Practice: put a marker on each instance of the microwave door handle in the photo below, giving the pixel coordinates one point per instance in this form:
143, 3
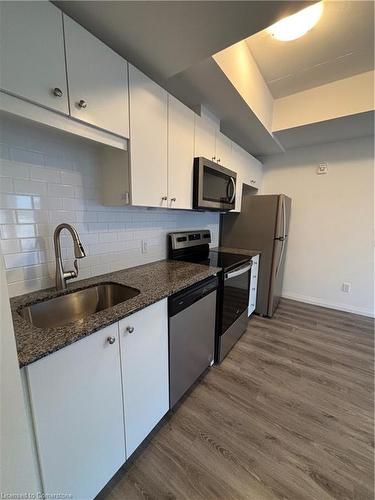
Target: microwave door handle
238, 272
234, 190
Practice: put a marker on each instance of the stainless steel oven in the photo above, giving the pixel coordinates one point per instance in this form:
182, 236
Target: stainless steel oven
233, 284
234, 300
214, 186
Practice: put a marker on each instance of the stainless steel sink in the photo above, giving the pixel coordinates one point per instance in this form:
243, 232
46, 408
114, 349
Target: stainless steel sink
76, 306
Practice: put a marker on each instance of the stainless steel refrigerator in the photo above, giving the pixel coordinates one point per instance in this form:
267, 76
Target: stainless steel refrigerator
262, 225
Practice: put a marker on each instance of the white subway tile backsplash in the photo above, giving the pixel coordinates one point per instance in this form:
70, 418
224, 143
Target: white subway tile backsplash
32, 216
14, 170
26, 156
71, 178
6, 185
17, 231
7, 216
61, 190
45, 174
54, 178
10, 246
46, 202
15, 201
26, 186
21, 259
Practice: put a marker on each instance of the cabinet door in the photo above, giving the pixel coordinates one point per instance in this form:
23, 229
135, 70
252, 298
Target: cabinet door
98, 81
223, 150
205, 138
76, 400
32, 56
180, 154
148, 140
144, 359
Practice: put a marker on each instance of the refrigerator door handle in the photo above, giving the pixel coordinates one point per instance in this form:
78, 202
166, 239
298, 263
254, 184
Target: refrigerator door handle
284, 217
280, 258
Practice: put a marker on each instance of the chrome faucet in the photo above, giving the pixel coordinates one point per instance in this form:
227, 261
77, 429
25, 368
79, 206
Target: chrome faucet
63, 276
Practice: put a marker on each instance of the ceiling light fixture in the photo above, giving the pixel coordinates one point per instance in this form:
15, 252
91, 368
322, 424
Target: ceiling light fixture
298, 24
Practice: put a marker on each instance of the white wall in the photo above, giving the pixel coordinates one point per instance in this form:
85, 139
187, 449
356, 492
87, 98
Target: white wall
332, 222
47, 177
18, 471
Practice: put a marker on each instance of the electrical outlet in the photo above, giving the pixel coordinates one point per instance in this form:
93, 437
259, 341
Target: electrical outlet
144, 246
322, 168
346, 287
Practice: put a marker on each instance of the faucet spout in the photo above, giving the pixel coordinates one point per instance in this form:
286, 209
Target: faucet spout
63, 276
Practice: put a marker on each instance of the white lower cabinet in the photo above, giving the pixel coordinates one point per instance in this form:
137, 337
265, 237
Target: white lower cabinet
94, 401
253, 285
144, 362
76, 402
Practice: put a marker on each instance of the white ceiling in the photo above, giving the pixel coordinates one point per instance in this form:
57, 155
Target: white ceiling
339, 46
163, 38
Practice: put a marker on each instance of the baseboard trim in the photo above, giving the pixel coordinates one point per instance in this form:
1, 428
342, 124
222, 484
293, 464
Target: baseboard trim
330, 305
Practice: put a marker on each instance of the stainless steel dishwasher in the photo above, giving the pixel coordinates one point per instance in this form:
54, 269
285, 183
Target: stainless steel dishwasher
192, 320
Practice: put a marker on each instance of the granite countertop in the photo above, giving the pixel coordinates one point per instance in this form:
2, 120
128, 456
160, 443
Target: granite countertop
240, 251
155, 282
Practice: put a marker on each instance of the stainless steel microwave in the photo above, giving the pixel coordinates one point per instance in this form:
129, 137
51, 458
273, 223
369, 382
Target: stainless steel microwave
214, 186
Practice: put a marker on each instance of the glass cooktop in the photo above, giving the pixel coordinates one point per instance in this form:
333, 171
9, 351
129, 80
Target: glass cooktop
224, 260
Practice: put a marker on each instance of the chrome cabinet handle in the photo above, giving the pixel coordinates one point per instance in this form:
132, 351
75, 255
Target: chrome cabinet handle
111, 340
130, 329
57, 92
82, 104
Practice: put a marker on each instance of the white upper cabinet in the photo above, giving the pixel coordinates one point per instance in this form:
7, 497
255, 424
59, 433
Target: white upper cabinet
144, 358
76, 400
223, 150
32, 59
148, 110
98, 81
180, 154
205, 138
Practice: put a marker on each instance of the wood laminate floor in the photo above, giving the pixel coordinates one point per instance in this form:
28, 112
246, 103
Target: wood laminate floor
287, 415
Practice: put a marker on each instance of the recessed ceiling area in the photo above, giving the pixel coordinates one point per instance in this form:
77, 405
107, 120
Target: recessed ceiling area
340, 45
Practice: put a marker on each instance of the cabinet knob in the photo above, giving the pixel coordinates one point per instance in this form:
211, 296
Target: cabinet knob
173, 199
57, 92
219, 160
214, 158
111, 340
164, 198
130, 329
82, 104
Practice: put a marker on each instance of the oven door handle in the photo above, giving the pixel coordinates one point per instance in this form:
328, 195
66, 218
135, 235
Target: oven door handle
238, 272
